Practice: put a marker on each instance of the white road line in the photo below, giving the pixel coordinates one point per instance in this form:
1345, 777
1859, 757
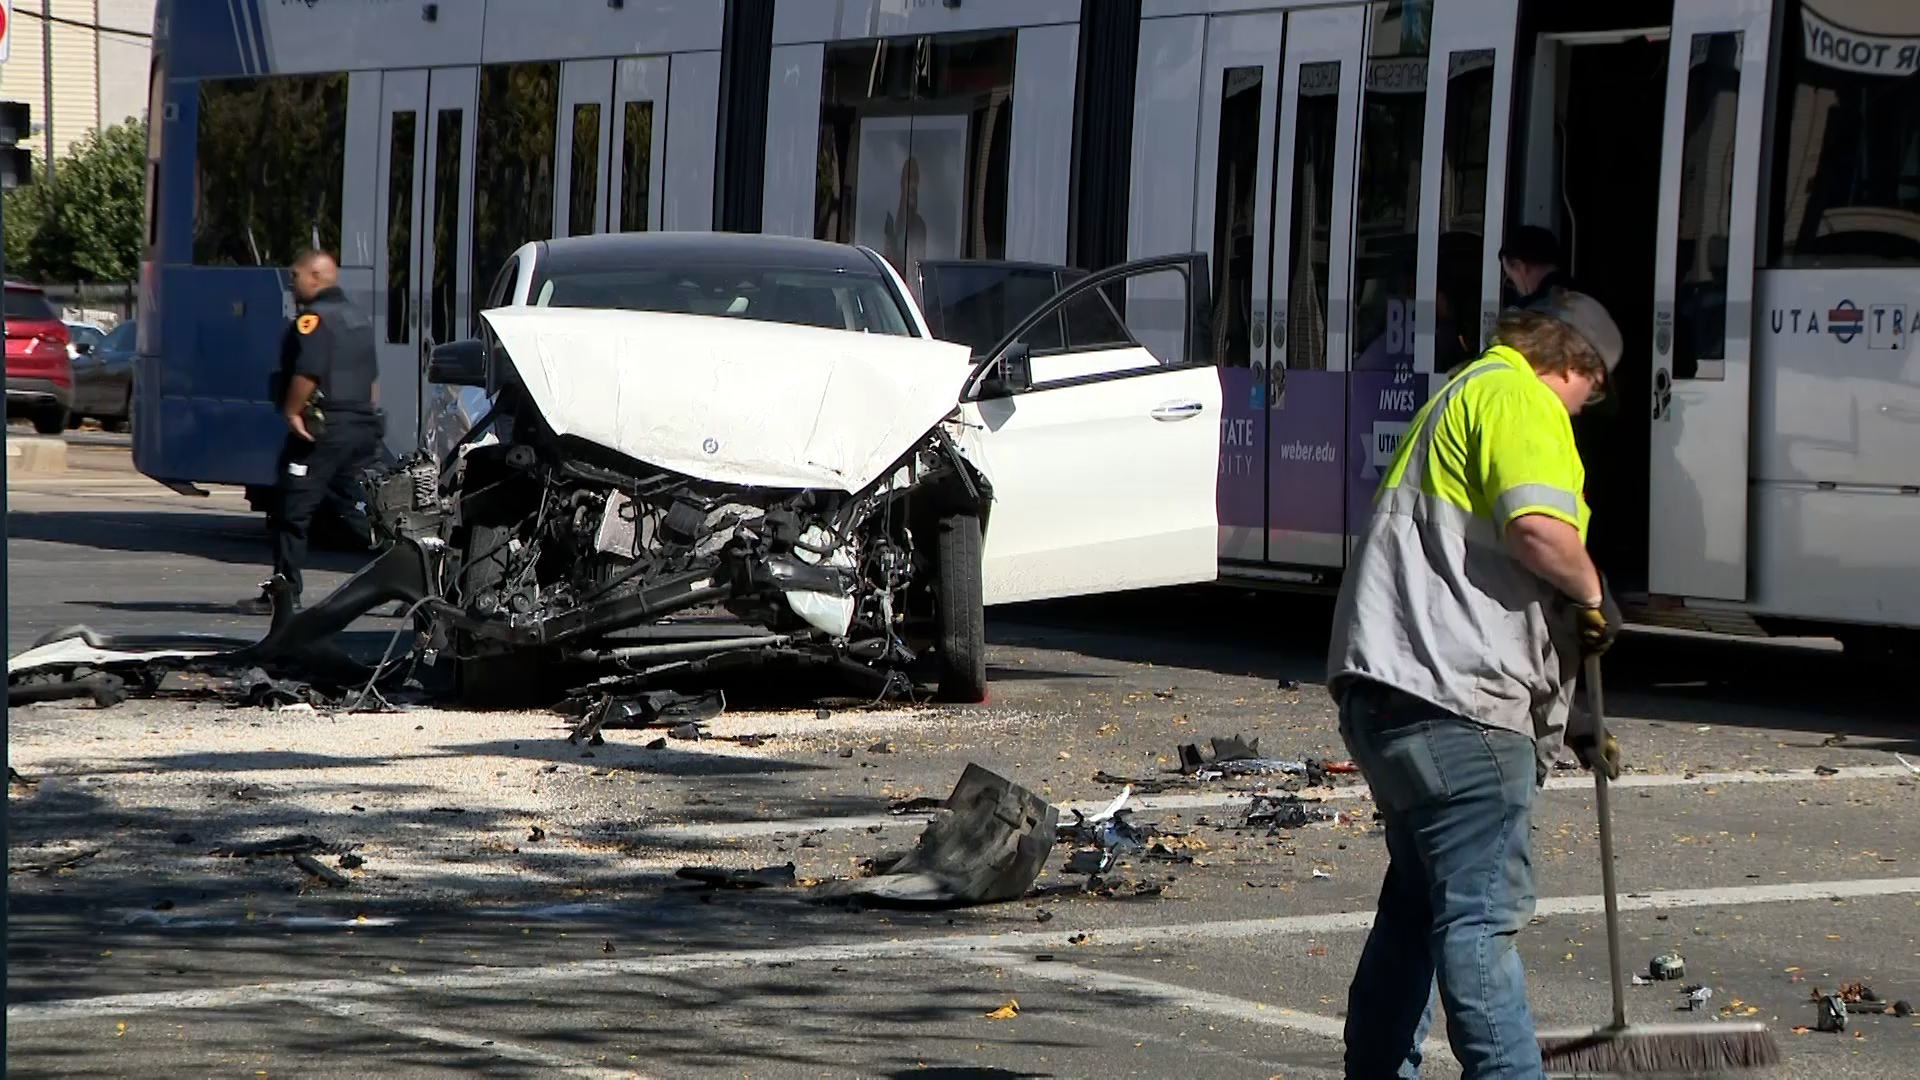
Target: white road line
1222, 1005
932, 947
741, 830
413, 1028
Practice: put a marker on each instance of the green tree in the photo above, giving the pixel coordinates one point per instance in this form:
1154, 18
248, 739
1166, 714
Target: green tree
99, 207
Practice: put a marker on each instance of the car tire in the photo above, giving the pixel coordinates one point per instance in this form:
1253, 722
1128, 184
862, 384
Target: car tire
50, 422
493, 680
960, 623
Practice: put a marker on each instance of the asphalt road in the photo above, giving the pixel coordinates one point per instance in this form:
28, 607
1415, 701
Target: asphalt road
517, 913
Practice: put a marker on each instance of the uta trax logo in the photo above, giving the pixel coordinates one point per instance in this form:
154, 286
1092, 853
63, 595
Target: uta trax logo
1846, 321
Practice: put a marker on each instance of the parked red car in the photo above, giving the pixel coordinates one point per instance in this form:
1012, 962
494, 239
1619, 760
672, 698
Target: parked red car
39, 372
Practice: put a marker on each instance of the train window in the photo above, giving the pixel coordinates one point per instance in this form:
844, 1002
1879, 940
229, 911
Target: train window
1236, 172
636, 168
583, 187
400, 166
513, 159
1707, 158
1386, 225
1846, 170
269, 165
1307, 253
446, 220
1463, 207
915, 140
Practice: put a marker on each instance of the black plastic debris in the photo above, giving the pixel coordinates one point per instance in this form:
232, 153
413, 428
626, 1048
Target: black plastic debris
601, 711
53, 866
1088, 861
1285, 810
290, 844
923, 804
721, 877
1233, 748
331, 878
105, 688
986, 845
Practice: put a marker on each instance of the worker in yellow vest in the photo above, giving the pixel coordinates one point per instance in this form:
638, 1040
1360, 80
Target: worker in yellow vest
1467, 609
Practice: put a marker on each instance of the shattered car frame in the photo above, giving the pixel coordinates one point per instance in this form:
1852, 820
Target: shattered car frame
676, 475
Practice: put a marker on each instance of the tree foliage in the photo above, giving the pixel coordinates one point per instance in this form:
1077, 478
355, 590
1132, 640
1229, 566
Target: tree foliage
98, 198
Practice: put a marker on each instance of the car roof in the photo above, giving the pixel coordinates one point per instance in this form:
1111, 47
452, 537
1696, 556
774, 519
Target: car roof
609, 251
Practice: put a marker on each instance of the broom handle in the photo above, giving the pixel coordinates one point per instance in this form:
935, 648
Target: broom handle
1603, 804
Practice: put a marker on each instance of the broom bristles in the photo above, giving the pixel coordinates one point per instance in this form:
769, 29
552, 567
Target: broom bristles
1685, 1049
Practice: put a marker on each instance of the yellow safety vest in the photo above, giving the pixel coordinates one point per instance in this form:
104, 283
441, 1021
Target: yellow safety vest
1432, 603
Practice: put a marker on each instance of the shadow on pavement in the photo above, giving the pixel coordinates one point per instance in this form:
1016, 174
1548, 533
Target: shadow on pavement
228, 538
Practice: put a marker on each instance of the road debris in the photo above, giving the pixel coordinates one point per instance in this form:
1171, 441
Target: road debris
1695, 996
332, 878
53, 866
1006, 1012
291, 844
1833, 1012
1286, 810
1667, 967
1911, 767
986, 845
721, 877
599, 709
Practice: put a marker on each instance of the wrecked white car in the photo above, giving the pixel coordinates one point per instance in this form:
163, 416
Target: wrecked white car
707, 450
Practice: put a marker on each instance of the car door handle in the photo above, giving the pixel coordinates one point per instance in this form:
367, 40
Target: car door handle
1177, 410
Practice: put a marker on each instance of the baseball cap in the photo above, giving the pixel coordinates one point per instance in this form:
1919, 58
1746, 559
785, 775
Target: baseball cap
1589, 319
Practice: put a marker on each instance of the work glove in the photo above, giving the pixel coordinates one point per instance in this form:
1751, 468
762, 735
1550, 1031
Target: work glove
1598, 626
1605, 752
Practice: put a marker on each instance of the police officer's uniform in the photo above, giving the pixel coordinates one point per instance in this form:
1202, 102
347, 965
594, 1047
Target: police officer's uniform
333, 344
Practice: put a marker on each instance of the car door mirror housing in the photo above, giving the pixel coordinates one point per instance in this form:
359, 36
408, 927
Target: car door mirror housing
82, 348
1010, 373
458, 363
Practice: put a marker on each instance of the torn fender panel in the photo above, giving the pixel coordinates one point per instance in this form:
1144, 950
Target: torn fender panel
76, 652
733, 401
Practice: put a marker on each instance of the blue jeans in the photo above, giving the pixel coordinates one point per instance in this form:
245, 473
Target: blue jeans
1457, 799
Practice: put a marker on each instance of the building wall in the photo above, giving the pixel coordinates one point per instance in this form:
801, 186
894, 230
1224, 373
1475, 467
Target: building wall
99, 77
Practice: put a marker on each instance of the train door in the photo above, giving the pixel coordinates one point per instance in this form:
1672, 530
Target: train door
582, 147
639, 126
1710, 166
1464, 182
396, 265
1232, 202
1303, 404
423, 246
446, 222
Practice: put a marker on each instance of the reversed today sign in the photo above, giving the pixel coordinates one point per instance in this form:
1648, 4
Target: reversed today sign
1835, 46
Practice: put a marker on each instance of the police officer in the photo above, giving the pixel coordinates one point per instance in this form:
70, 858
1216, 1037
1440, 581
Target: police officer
328, 398
1462, 621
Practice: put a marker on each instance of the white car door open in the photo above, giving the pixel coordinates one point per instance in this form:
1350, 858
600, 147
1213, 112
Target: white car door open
1099, 428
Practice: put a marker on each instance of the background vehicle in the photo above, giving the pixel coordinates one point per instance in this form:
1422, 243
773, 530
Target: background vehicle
1737, 189
39, 371
82, 336
103, 379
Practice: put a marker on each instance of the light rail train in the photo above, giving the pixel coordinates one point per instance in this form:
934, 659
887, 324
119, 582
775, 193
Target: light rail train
1738, 180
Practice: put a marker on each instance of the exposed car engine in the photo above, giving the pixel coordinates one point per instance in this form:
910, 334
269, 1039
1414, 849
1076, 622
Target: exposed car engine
557, 549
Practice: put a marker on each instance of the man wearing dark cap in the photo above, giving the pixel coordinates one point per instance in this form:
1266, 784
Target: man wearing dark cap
1530, 262
1463, 619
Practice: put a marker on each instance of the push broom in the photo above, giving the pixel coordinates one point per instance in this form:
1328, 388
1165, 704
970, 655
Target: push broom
1621, 1048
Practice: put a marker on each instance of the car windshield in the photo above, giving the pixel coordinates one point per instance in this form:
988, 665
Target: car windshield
835, 300
30, 305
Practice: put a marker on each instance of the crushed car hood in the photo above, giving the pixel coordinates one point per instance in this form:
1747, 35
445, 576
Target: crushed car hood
732, 400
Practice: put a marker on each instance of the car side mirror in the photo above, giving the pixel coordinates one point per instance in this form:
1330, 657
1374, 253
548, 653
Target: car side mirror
81, 348
458, 363
1010, 373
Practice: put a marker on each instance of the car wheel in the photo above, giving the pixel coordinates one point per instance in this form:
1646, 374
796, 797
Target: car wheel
50, 422
960, 622
497, 680
73, 421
